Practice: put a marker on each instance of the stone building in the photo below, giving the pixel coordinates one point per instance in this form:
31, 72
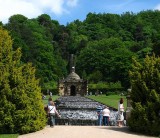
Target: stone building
72, 85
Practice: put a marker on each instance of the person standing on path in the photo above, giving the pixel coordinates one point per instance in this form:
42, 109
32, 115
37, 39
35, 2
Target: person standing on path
52, 113
106, 114
100, 116
120, 113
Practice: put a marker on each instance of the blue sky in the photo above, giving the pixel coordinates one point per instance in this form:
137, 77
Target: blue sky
66, 11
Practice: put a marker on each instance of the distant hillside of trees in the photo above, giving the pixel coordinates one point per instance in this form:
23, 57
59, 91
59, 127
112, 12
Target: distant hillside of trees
103, 44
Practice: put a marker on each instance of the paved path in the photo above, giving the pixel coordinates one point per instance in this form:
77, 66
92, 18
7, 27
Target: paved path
84, 132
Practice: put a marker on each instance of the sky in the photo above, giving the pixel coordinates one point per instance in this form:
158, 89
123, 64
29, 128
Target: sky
66, 11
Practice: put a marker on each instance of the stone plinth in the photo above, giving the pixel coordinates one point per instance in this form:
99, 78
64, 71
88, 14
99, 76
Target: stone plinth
129, 106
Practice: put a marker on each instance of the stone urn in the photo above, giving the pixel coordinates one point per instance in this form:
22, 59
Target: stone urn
129, 107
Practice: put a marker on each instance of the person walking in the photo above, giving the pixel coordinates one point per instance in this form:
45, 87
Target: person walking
106, 114
99, 114
120, 113
49, 100
46, 107
52, 113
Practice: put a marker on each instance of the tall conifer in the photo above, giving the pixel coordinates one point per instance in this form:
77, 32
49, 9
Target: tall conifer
21, 107
145, 96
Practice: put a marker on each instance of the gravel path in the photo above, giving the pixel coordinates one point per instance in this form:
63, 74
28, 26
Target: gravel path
84, 132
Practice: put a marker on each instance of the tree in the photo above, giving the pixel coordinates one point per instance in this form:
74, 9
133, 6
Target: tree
35, 37
108, 56
20, 32
145, 96
21, 107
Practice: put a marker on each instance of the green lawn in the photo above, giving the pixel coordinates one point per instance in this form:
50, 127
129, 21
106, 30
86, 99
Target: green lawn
110, 100
9, 135
54, 97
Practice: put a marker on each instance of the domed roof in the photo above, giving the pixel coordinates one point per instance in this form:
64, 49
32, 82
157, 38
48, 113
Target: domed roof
73, 76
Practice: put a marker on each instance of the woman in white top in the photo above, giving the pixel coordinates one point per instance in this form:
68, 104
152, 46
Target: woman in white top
106, 114
120, 112
52, 111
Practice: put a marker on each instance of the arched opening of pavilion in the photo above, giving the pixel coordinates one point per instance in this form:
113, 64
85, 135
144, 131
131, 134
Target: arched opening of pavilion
73, 90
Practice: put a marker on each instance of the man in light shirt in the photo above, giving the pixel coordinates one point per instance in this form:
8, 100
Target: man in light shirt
100, 116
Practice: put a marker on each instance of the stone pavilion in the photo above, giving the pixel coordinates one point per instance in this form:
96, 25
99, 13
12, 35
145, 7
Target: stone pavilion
72, 85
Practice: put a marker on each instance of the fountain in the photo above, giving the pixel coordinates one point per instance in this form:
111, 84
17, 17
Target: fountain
78, 110
74, 108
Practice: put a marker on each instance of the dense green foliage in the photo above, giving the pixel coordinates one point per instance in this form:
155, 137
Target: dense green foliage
106, 88
36, 40
145, 96
21, 107
103, 44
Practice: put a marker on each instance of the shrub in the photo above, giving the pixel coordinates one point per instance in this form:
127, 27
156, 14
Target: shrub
21, 107
145, 96
106, 88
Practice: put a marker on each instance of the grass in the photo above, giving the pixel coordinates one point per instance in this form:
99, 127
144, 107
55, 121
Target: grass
9, 135
110, 100
54, 97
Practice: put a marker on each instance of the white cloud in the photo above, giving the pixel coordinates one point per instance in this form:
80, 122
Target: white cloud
9, 8
157, 7
55, 6
72, 3
33, 8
